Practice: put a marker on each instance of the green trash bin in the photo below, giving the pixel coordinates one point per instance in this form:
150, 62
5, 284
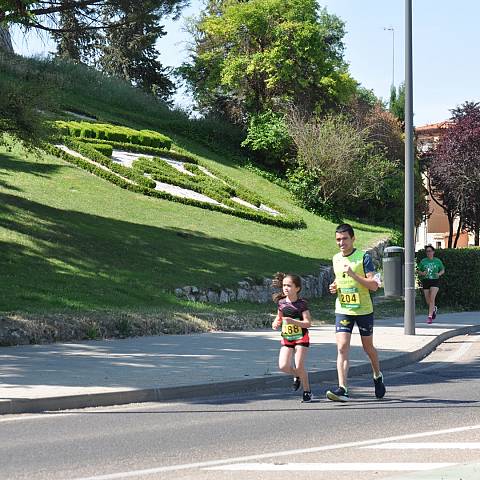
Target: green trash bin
394, 272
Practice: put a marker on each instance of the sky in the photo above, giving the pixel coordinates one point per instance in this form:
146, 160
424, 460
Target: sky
446, 39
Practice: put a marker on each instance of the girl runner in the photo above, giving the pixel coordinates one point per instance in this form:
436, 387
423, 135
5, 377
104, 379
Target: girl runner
294, 319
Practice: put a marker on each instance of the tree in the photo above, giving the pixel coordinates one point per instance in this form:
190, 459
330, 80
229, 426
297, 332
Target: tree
337, 165
45, 15
5, 40
130, 28
385, 133
130, 51
443, 194
76, 42
396, 105
455, 169
251, 57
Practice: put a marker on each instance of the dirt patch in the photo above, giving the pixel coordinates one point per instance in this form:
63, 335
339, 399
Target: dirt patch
25, 329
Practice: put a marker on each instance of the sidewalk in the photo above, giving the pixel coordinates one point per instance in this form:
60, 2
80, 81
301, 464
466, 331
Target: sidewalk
181, 367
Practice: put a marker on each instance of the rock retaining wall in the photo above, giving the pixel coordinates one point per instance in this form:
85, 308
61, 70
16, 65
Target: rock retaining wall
314, 285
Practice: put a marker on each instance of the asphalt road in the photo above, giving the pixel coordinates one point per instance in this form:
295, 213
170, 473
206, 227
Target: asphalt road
429, 419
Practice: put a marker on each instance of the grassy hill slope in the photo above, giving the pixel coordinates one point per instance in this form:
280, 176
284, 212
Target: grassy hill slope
72, 241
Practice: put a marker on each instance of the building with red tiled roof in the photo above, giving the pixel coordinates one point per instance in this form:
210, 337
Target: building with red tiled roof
434, 229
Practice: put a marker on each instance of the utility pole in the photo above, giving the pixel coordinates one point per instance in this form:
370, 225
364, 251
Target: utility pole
409, 224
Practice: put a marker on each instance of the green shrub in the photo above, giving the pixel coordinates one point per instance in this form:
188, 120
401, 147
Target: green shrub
129, 147
103, 148
269, 139
460, 286
88, 151
283, 221
115, 133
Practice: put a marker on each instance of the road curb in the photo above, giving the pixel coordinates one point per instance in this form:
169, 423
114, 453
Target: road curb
159, 394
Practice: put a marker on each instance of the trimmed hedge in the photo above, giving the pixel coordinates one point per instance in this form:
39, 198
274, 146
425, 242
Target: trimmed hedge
184, 156
89, 151
460, 286
162, 171
96, 141
114, 133
129, 147
282, 222
103, 148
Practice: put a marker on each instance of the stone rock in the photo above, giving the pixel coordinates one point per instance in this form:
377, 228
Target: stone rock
314, 285
212, 296
223, 297
242, 294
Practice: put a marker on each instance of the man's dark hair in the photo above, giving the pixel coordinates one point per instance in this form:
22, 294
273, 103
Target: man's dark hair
345, 227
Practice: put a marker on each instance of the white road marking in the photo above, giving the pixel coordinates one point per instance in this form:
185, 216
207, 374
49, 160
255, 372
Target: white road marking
332, 467
428, 446
212, 463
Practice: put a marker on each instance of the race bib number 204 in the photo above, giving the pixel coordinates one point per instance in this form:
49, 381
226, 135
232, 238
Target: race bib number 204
349, 297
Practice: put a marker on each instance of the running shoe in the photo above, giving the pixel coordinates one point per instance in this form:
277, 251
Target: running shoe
429, 320
296, 383
338, 394
434, 314
379, 387
307, 397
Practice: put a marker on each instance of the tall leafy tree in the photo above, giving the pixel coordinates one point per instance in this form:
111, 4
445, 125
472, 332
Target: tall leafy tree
249, 57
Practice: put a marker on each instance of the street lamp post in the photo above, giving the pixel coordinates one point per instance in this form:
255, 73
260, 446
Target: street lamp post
391, 29
409, 225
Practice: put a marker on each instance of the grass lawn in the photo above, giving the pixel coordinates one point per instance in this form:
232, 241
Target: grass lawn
74, 243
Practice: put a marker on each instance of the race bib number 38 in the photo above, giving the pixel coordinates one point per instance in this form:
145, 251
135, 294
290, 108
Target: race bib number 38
291, 332
349, 297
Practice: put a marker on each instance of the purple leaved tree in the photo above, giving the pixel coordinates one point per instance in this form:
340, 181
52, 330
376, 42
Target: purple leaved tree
454, 171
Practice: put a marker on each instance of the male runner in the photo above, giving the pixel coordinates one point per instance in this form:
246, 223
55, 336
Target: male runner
355, 277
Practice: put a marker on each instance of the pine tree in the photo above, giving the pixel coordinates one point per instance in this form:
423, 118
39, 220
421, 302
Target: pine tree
75, 41
129, 51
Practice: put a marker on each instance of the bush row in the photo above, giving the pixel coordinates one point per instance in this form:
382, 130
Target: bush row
129, 147
214, 188
90, 152
116, 133
162, 171
239, 190
283, 221
460, 286
185, 157
103, 148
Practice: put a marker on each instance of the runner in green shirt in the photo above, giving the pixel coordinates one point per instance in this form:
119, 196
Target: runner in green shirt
430, 269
